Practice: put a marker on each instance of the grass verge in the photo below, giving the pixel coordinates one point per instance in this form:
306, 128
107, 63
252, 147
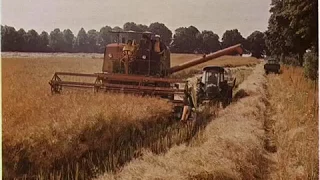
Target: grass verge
294, 118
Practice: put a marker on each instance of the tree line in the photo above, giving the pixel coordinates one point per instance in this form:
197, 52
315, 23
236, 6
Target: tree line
292, 30
185, 39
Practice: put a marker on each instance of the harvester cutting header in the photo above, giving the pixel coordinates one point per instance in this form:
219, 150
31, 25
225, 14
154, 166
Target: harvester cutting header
139, 63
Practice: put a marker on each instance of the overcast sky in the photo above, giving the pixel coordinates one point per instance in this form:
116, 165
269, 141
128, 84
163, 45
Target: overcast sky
215, 15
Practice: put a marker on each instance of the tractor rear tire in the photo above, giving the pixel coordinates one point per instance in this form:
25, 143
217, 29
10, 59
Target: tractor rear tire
178, 110
224, 102
227, 99
230, 96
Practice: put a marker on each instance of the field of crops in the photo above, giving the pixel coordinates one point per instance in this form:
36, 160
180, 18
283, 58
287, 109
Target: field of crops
78, 133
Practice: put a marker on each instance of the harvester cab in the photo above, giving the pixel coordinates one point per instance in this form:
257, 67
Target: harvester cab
138, 53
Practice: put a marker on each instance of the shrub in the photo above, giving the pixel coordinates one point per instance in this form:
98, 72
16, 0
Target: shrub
311, 65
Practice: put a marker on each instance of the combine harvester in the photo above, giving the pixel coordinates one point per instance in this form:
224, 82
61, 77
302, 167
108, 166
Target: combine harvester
139, 68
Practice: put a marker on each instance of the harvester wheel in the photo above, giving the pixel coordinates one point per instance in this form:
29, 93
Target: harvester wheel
230, 96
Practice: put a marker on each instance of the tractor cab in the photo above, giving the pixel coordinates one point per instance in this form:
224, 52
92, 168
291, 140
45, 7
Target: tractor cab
215, 84
212, 81
138, 53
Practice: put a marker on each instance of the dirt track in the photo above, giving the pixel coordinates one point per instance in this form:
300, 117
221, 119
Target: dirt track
232, 145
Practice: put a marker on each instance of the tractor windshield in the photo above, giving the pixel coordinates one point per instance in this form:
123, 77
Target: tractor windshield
211, 78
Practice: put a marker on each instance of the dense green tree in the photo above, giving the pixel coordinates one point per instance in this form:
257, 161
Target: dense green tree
56, 40
43, 42
9, 38
105, 37
21, 42
256, 42
2, 36
162, 30
231, 38
32, 41
292, 27
186, 40
130, 26
311, 62
81, 43
143, 27
117, 28
303, 28
210, 42
93, 37
68, 39
177, 44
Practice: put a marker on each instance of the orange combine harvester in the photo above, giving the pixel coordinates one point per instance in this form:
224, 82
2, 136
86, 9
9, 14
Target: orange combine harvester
140, 66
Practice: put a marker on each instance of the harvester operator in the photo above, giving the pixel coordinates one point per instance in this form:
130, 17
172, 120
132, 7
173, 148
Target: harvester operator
128, 51
128, 48
158, 46
187, 104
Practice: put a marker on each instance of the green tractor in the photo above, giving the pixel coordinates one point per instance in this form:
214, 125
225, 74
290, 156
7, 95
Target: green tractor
214, 87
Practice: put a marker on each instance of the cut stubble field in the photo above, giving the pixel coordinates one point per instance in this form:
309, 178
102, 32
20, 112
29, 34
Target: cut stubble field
42, 132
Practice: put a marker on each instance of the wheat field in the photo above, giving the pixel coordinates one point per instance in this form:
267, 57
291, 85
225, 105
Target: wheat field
38, 126
61, 136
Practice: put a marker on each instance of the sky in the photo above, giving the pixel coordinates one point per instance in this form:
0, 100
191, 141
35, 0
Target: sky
215, 15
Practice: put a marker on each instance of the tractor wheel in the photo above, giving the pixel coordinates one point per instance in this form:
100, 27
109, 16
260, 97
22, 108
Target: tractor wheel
225, 102
230, 96
178, 112
227, 98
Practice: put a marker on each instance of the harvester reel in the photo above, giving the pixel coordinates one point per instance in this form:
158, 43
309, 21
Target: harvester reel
55, 87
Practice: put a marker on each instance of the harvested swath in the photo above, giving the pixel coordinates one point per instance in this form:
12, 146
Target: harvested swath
232, 145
